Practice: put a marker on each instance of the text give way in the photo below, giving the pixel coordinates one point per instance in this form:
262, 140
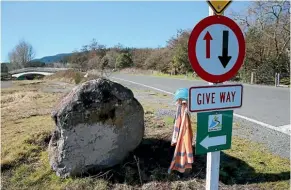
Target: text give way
205, 98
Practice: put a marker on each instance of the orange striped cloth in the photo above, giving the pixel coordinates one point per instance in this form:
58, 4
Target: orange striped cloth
182, 138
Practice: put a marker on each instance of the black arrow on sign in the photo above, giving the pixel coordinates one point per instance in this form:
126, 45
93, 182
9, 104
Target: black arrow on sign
224, 59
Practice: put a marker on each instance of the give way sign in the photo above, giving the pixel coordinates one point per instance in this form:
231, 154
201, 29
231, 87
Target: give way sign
216, 48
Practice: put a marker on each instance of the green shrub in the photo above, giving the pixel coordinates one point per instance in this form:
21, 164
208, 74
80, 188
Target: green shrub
78, 78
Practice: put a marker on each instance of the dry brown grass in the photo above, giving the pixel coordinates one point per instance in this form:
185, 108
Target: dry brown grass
73, 77
23, 102
25, 115
69, 76
136, 71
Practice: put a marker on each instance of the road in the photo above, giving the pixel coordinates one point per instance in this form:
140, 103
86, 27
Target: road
6, 84
265, 105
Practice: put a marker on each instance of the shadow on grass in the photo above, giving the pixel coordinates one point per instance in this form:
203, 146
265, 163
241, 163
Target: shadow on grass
154, 157
236, 171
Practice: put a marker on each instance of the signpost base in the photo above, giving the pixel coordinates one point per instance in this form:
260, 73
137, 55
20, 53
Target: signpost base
212, 173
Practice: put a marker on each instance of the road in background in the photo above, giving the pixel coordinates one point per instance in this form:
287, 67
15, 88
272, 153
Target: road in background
6, 84
266, 104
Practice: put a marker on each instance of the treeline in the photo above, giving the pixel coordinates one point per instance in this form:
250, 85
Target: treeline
5, 67
172, 58
266, 25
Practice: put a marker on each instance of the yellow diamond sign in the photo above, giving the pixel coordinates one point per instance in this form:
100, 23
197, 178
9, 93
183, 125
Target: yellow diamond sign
218, 6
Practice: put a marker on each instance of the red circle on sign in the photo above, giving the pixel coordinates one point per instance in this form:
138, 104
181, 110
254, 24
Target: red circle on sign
208, 21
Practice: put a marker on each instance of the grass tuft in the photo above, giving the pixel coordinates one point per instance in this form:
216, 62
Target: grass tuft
70, 76
169, 121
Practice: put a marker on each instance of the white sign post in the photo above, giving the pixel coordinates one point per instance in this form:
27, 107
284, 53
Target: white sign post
213, 158
216, 51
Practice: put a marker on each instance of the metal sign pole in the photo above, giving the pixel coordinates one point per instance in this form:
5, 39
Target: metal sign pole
213, 158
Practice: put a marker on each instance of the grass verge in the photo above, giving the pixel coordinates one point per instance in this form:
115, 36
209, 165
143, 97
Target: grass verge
134, 71
71, 76
179, 76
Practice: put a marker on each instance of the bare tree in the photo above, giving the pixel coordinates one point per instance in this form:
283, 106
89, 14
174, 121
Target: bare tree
79, 60
267, 31
21, 54
95, 62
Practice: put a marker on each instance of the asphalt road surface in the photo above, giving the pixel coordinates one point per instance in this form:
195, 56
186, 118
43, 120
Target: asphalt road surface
6, 84
265, 105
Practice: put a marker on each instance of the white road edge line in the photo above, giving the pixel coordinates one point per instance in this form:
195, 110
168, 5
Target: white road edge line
279, 129
144, 85
285, 126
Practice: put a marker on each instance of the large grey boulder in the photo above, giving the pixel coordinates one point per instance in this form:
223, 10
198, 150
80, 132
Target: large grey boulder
97, 124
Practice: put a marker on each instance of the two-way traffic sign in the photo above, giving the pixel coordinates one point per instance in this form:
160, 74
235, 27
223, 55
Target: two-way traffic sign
216, 48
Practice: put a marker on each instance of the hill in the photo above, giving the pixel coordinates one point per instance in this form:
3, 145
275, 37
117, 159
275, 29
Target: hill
53, 58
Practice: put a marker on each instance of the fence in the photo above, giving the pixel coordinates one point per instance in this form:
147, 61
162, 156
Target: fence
277, 79
282, 79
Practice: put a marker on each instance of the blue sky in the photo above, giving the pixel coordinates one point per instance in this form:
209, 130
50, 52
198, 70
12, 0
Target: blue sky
61, 27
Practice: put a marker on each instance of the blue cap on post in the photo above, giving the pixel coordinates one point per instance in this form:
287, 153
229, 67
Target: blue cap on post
181, 93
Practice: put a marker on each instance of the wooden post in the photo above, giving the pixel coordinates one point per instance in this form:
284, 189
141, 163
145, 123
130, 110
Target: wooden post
277, 79
252, 77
